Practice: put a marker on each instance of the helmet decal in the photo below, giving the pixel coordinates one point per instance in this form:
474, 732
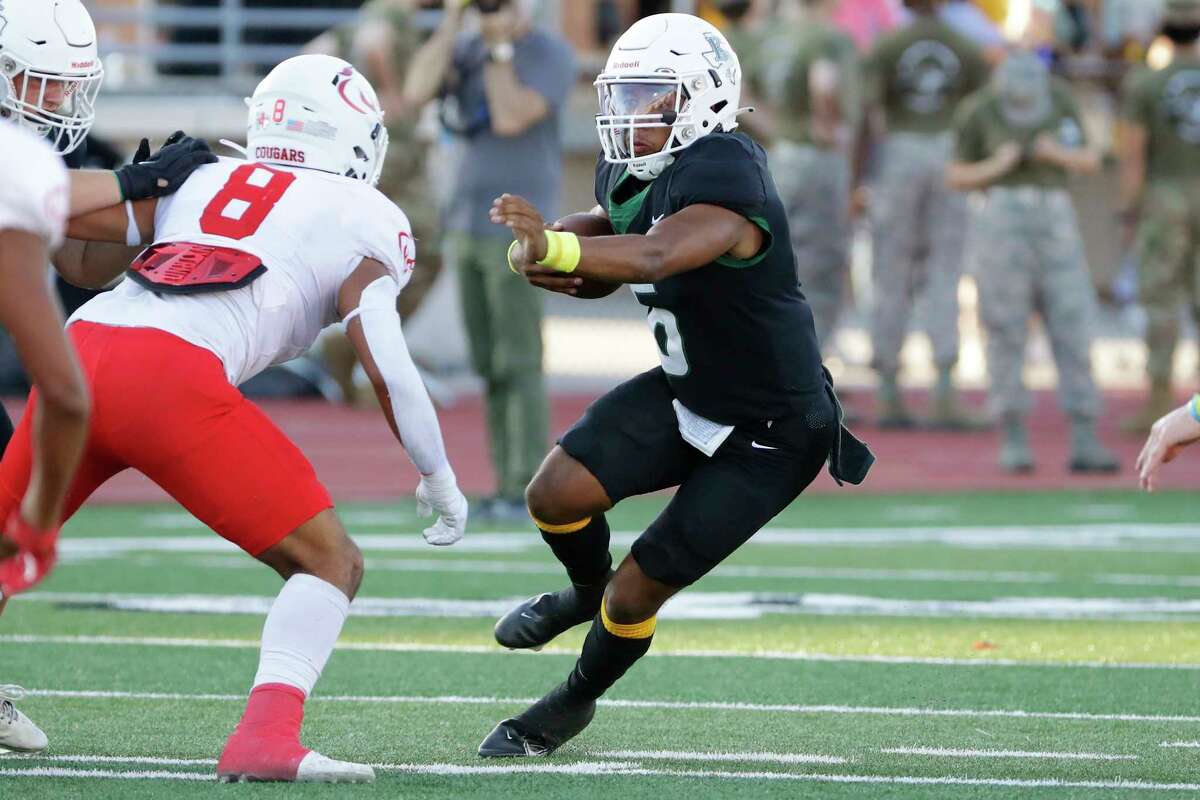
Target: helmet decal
718, 55
344, 85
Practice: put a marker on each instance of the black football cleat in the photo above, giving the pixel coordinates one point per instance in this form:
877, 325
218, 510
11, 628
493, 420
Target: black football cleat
535, 622
541, 729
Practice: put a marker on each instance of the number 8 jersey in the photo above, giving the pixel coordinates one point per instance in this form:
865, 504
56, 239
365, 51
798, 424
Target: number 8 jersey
309, 229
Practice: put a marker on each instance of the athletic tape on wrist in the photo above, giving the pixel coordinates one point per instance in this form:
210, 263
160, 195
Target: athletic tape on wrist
511, 265
133, 235
562, 251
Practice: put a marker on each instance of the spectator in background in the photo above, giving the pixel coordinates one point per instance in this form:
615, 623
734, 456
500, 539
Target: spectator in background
1160, 193
813, 84
503, 88
866, 20
747, 27
971, 21
382, 42
916, 76
1018, 140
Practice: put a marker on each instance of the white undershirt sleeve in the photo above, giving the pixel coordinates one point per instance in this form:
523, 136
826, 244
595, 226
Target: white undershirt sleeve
412, 409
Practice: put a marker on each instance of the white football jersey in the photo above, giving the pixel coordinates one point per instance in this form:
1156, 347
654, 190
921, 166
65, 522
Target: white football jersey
34, 188
310, 229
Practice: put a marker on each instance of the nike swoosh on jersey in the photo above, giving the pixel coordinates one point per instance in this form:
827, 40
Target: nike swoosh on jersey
656, 220
758, 446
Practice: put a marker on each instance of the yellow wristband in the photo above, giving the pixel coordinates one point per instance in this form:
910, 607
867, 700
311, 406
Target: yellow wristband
562, 251
511, 265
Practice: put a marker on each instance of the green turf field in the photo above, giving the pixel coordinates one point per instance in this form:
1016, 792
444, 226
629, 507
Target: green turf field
1000, 646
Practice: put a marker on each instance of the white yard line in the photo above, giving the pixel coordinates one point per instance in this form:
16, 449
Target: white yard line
692, 605
65, 772
143, 760
1186, 745
1114, 537
622, 770
680, 755
956, 753
672, 705
727, 571
490, 567
495, 650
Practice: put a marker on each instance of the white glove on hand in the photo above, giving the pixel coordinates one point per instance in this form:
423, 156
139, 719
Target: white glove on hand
439, 493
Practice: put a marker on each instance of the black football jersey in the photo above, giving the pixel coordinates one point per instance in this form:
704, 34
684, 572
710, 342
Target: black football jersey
735, 337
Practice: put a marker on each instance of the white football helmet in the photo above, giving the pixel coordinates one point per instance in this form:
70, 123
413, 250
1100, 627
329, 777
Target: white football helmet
318, 112
668, 70
50, 71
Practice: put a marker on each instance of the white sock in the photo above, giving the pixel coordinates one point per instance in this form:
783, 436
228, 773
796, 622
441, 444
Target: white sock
301, 629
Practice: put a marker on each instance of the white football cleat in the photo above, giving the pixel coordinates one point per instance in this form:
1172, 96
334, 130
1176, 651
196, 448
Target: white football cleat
18, 734
316, 768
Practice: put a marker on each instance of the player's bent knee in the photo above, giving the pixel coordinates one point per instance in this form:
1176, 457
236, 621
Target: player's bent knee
627, 620
563, 492
320, 548
625, 608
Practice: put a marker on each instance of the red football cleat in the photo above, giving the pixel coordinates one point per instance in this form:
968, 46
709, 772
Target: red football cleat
265, 746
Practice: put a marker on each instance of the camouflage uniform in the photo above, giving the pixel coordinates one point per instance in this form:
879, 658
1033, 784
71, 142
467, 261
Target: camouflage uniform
1166, 104
404, 179
918, 75
813, 178
1029, 256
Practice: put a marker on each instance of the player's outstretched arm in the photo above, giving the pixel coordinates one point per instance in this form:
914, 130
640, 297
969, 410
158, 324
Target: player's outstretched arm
1168, 437
688, 239
32, 316
149, 175
367, 303
103, 244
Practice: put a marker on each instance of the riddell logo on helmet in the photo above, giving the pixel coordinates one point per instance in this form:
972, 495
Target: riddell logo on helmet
626, 64
279, 154
82, 64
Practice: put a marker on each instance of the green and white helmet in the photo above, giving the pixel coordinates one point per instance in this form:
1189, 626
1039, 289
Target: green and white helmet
667, 70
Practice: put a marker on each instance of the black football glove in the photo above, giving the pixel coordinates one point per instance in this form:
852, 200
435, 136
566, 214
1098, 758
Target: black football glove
163, 172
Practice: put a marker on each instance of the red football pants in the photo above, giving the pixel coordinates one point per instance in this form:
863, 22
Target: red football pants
164, 407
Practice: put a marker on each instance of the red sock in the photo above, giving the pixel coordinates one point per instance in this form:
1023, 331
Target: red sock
266, 743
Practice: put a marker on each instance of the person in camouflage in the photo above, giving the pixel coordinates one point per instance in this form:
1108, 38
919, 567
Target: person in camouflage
381, 43
811, 77
1160, 193
1018, 140
915, 77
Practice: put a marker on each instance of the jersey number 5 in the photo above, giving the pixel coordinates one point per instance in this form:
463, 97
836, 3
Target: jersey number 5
665, 328
244, 201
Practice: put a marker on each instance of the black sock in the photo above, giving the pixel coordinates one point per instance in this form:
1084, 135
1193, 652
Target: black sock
584, 552
607, 656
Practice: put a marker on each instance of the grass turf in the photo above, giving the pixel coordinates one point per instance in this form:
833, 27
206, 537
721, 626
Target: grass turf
1132, 548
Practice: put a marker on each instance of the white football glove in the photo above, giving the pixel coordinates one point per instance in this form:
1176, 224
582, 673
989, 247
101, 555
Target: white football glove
438, 493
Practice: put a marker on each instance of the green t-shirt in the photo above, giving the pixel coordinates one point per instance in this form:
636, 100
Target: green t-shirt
790, 54
1167, 104
981, 127
919, 74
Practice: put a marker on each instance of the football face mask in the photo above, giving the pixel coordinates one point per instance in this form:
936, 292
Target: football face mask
629, 109
60, 107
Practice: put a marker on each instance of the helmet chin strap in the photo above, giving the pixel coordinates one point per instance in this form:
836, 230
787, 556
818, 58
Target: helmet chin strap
650, 168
